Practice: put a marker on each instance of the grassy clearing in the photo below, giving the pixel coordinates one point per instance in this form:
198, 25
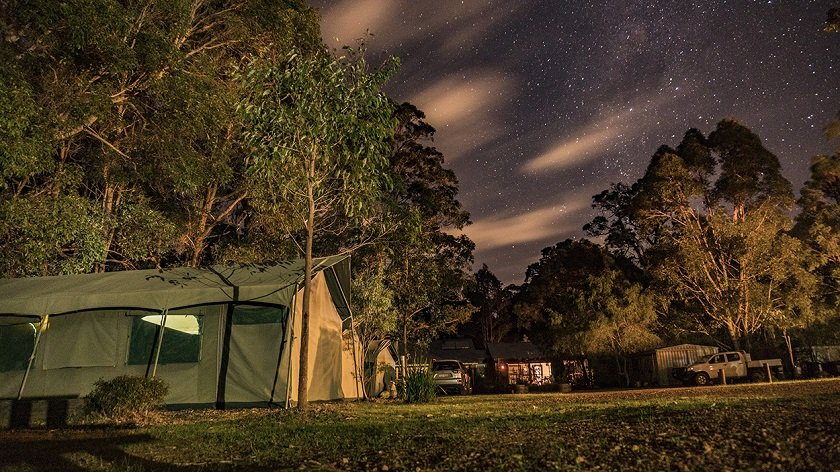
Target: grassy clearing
784, 426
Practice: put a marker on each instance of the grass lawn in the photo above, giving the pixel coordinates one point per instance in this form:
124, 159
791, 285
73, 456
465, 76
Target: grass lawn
783, 426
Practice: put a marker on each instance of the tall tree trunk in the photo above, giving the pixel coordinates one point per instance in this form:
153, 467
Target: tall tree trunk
405, 337
110, 204
790, 351
622, 369
303, 378
405, 329
733, 335
201, 232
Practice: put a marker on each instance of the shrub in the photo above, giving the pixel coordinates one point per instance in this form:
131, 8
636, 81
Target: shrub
418, 385
125, 398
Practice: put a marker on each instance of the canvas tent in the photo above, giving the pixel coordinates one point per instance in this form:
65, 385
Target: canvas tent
224, 335
380, 367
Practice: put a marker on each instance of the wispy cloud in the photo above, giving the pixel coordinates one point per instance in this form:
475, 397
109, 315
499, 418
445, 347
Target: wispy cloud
349, 20
462, 108
458, 25
587, 143
619, 123
542, 224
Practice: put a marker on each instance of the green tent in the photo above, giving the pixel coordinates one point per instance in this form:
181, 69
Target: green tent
223, 335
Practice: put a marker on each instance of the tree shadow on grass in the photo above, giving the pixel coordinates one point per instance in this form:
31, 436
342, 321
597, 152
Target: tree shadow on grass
71, 450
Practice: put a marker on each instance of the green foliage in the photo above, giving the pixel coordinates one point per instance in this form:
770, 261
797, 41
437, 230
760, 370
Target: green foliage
317, 129
320, 122
130, 107
425, 267
492, 320
44, 235
750, 175
708, 222
418, 385
818, 227
374, 315
624, 315
546, 303
832, 21
578, 299
23, 147
125, 397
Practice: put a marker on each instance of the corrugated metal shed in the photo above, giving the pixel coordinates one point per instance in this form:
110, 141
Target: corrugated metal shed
818, 354
654, 367
678, 356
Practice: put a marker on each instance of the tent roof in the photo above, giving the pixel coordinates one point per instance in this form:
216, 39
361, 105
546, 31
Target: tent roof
160, 289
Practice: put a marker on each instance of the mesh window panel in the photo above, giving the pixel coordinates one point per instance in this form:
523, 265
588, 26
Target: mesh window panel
181, 339
16, 343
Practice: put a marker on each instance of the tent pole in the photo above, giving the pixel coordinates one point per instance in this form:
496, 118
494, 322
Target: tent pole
159, 342
352, 331
43, 326
290, 350
359, 377
283, 345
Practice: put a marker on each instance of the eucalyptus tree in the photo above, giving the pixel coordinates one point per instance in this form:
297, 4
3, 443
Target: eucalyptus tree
818, 225
578, 299
427, 264
374, 315
832, 21
493, 319
712, 218
623, 314
124, 113
318, 131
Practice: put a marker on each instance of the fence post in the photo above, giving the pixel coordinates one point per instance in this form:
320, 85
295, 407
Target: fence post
722, 376
769, 374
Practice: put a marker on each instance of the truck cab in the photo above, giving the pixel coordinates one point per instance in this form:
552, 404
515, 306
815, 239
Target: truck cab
708, 368
733, 364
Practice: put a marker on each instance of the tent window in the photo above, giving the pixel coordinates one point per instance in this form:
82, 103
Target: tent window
252, 314
17, 342
181, 339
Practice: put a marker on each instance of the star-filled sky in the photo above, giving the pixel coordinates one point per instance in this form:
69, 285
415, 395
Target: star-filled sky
539, 105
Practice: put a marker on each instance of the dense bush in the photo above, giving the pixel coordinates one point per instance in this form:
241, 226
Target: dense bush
418, 385
125, 397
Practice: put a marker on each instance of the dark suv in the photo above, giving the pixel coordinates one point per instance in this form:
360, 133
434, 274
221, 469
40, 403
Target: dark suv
451, 377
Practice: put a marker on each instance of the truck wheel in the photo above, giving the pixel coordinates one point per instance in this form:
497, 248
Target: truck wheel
701, 378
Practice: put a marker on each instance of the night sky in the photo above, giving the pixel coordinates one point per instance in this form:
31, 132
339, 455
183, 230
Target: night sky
539, 105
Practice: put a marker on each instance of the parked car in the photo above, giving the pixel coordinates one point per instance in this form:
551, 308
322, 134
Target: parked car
451, 377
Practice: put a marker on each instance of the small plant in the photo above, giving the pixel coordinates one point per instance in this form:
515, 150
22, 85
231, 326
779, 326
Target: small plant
418, 385
125, 398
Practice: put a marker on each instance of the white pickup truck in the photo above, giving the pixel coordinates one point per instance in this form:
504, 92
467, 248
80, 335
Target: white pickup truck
733, 365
